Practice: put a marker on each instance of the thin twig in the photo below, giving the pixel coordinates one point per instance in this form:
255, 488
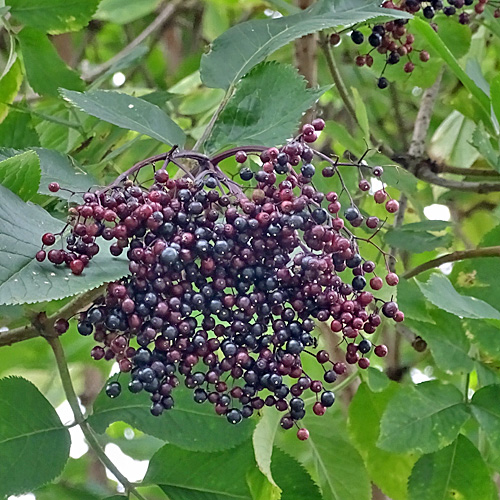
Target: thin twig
453, 257
70, 309
470, 172
69, 391
160, 20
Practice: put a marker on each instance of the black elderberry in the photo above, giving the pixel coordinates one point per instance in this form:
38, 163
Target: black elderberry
308, 170
375, 39
113, 389
364, 346
357, 37
393, 58
246, 174
327, 399
382, 83
351, 214
358, 283
234, 416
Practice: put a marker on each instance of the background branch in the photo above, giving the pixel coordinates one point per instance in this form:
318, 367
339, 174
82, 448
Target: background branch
453, 257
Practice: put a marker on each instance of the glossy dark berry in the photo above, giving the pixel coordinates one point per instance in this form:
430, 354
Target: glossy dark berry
382, 83
113, 389
357, 37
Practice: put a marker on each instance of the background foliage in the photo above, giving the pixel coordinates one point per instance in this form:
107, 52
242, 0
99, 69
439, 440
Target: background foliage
90, 87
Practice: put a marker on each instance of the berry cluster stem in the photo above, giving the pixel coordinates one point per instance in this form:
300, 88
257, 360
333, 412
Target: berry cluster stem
69, 391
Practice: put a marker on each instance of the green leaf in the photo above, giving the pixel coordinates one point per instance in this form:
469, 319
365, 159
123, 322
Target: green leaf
21, 174
52, 491
447, 340
416, 241
253, 114
293, 479
495, 96
451, 142
34, 445
424, 29
411, 301
54, 16
54, 167
125, 11
482, 142
376, 379
184, 475
38, 55
260, 487
188, 425
426, 225
263, 441
422, 419
441, 293
456, 472
486, 335
23, 280
9, 87
223, 66
128, 112
361, 115
485, 409
17, 131
389, 471
330, 458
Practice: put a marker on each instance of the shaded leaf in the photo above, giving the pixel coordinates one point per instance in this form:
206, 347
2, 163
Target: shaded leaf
389, 471
9, 87
30, 431
486, 411
441, 293
482, 142
425, 30
292, 478
416, 241
422, 419
17, 131
188, 425
253, 114
21, 174
456, 472
263, 441
38, 55
23, 280
206, 477
223, 66
128, 112
54, 16
447, 341
124, 11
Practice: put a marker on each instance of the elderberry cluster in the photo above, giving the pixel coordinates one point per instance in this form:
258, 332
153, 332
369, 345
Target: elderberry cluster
392, 39
227, 282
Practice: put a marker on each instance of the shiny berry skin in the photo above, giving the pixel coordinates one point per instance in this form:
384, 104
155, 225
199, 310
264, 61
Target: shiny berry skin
364, 346
364, 363
357, 37
372, 222
318, 124
380, 196
303, 434
399, 317
48, 239
113, 390
382, 83
392, 279
61, 325
389, 309
234, 416
376, 283
409, 67
319, 409
392, 206
40, 255
364, 185
54, 187
424, 56
240, 157
381, 351
334, 39
76, 266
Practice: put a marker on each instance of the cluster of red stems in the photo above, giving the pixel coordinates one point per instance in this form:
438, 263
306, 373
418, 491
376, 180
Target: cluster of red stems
393, 40
228, 280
